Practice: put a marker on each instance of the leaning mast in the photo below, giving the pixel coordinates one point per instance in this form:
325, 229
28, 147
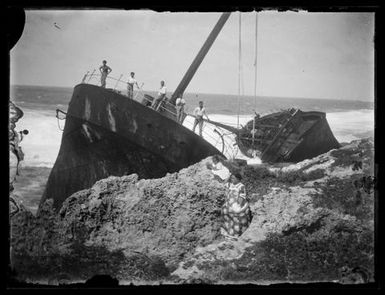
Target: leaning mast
199, 58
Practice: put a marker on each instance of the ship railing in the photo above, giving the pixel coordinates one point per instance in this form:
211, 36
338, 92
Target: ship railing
222, 142
221, 139
208, 136
161, 105
119, 85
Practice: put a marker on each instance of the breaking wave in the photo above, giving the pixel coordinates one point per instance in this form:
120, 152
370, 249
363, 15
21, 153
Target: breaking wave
42, 144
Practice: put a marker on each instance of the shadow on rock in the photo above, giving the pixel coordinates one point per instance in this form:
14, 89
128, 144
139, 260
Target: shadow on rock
102, 281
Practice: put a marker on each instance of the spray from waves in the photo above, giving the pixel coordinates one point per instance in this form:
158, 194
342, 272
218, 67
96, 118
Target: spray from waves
42, 144
351, 125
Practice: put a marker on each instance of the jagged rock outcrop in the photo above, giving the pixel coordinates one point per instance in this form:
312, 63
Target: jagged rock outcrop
128, 228
312, 221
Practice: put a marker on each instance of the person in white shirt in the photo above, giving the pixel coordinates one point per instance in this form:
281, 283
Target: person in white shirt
221, 173
179, 105
130, 85
199, 112
161, 95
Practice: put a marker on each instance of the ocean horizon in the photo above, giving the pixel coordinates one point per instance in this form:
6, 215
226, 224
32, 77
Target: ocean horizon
368, 100
44, 97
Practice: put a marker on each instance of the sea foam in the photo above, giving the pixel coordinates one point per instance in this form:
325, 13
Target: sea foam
42, 144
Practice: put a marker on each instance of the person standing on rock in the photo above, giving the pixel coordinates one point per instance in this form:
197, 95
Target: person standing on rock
236, 210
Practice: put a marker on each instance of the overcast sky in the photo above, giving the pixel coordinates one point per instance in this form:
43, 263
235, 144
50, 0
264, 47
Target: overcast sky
314, 55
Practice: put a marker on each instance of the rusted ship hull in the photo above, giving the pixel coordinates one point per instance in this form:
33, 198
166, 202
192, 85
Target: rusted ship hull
108, 134
288, 136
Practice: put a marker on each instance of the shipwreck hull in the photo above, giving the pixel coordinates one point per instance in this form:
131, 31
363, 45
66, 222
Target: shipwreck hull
316, 140
108, 134
295, 136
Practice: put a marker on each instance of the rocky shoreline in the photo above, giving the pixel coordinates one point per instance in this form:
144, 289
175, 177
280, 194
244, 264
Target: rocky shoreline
312, 221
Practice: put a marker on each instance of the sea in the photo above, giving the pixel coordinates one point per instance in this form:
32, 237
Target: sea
348, 119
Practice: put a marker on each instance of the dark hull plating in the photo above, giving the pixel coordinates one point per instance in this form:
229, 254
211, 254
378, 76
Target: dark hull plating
304, 135
108, 134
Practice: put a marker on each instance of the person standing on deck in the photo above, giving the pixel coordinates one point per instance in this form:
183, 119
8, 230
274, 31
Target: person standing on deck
104, 70
179, 104
130, 85
199, 112
161, 95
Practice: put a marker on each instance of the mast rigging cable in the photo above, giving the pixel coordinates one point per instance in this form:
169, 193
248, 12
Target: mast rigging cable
255, 74
239, 67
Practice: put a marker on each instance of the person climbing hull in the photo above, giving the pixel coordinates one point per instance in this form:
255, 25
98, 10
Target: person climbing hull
108, 134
